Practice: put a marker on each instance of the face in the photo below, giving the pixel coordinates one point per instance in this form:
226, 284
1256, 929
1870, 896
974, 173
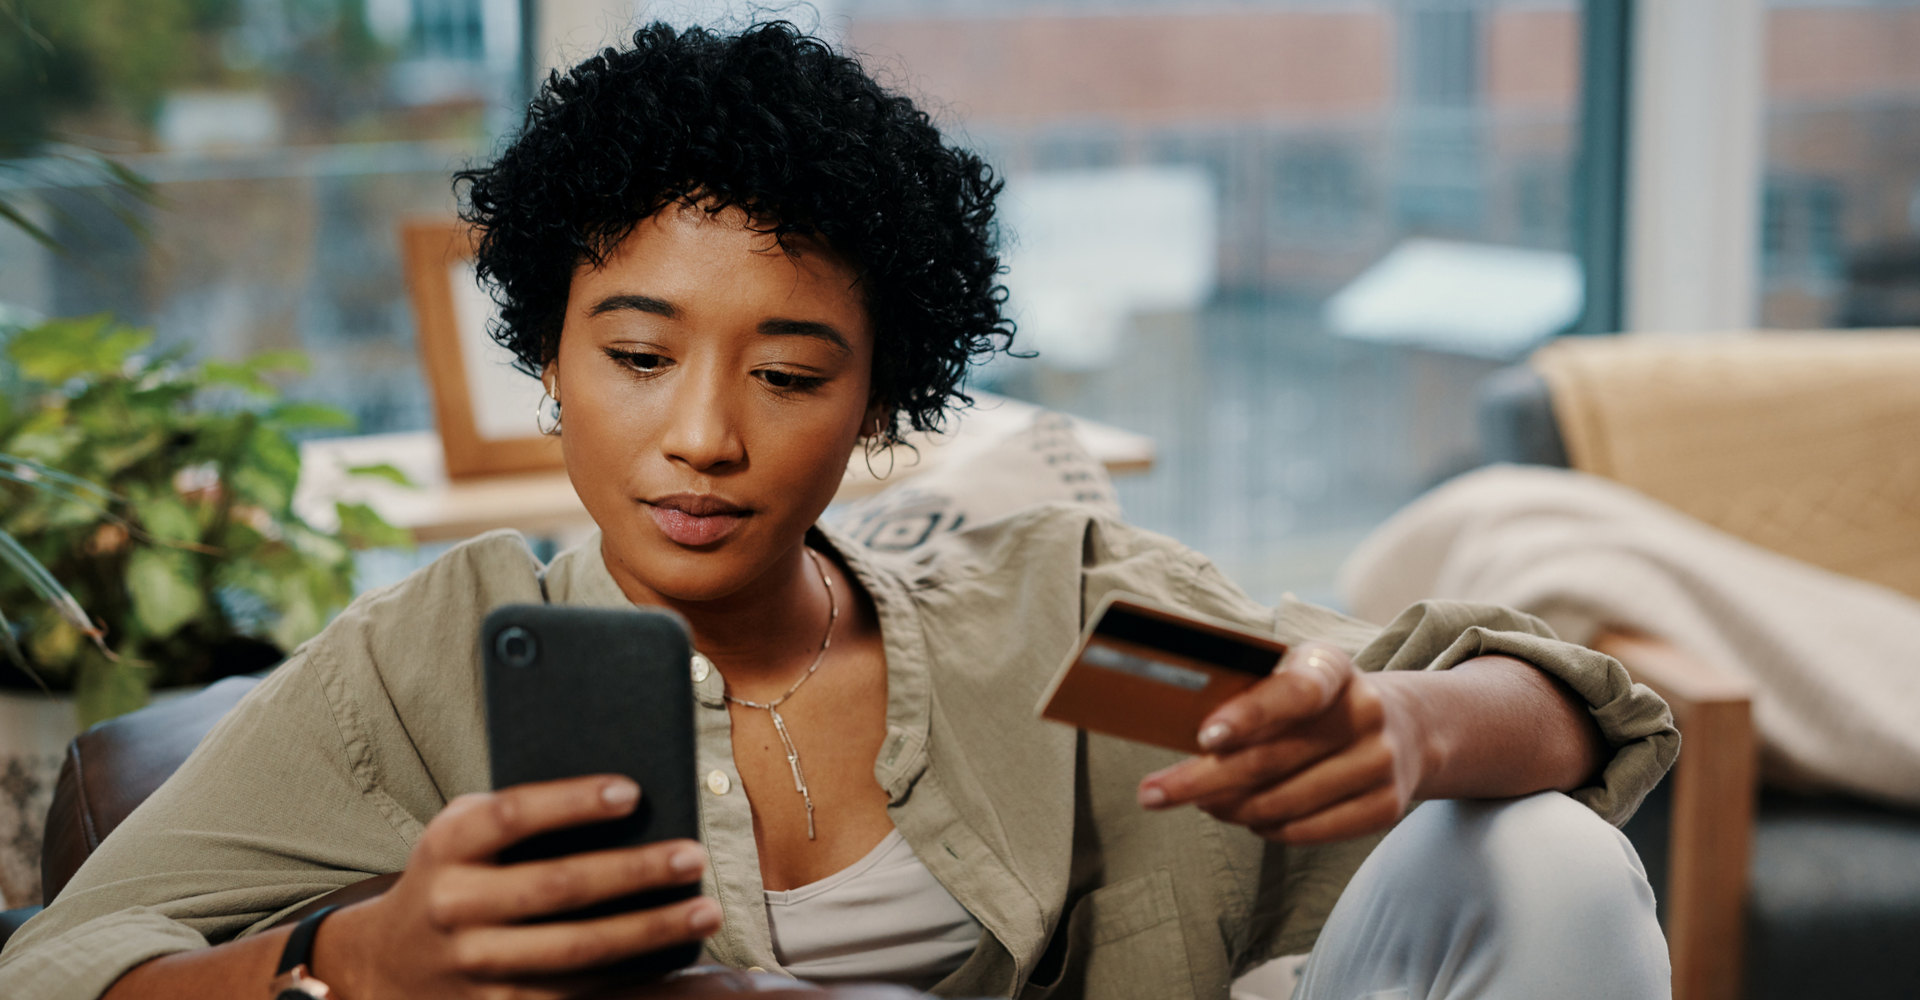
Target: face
712, 385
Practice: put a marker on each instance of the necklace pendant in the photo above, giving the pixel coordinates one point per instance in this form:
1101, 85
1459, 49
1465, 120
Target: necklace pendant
793, 753
773, 707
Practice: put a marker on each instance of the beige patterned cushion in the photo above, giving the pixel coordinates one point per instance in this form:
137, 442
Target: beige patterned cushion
1041, 462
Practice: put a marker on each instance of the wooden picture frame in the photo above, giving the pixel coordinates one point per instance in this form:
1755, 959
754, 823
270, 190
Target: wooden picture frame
483, 408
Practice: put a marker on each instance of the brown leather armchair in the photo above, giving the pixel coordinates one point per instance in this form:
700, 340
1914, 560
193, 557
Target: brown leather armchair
111, 768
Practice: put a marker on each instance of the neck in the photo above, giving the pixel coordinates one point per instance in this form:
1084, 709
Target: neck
761, 634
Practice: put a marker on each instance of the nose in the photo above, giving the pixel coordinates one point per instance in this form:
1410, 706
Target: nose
702, 431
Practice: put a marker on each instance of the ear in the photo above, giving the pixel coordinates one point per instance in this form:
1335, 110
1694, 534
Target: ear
878, 418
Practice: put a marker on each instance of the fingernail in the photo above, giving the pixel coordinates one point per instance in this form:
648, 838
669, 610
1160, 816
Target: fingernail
1213, 734
1153, 797
620, 793
687, 860
705, 917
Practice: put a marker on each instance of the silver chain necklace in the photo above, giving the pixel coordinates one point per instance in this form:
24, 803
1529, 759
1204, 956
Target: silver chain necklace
773, 707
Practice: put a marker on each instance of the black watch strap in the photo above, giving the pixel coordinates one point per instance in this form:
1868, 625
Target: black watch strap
299, 950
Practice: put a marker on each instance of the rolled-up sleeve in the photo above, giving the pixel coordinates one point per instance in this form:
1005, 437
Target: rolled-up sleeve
1637, 725
324, 775
266, 814
1438, 635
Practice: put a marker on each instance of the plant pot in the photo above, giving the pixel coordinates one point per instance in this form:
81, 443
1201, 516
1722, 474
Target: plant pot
35, 728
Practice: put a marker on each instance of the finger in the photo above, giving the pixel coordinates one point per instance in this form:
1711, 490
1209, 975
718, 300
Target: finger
1363, 814
1361, 769
1199, 780
476, 896
1308, 680
573, 946
478, 826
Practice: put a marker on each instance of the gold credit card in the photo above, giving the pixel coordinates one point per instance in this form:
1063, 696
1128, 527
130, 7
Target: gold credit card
1145, 673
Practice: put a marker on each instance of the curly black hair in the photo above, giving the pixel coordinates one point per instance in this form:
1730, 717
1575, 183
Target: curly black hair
776, 122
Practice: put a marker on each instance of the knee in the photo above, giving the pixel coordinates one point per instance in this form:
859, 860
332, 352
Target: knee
1522, 898
1530, 858
1544, 875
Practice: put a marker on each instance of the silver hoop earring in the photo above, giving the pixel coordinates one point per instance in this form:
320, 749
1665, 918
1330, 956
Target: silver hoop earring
875, 444
546, 413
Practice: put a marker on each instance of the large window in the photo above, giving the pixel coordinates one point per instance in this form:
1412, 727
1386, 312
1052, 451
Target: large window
1840, 217
1223, 214
1286, 238
284, 139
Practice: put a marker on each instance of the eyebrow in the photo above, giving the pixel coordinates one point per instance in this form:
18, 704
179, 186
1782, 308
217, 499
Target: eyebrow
806, 328
772, 327
638, 303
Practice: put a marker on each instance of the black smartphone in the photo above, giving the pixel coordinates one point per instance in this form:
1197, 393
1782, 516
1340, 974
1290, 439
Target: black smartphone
573, 691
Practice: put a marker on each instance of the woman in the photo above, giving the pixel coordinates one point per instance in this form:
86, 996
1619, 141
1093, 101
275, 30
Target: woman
732, 261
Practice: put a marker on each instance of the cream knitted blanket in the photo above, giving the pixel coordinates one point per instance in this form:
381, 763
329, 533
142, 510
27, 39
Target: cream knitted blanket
1835, 661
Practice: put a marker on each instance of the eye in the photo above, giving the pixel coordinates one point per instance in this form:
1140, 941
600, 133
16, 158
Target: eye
786, 381
639, 361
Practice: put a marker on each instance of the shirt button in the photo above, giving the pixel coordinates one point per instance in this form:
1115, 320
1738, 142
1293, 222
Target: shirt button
701, 668
718, 783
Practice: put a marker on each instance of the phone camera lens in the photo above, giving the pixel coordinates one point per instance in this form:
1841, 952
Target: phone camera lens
516, 647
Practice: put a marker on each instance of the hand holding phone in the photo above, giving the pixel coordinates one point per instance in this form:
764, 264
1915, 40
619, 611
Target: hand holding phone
459, 924
584, 691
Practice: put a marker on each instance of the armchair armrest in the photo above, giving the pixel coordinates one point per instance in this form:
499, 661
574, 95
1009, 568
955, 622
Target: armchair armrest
1714, 785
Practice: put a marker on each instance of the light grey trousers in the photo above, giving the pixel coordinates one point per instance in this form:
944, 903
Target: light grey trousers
1513, 900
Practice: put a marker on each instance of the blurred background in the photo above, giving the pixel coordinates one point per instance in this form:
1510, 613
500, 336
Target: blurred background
1292, 249
1283, 238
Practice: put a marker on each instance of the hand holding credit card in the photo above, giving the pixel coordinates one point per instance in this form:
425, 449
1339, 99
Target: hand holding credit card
1146, 673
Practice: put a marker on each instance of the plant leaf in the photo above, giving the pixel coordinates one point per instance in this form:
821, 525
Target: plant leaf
54, 475
267, 471
299, 620
54, 645
290, 362
364, 528
237, 374
19, 220
61, 349
107, 688
164, 591
115, 458
45, 586
318, 547
87, 507
302, 413
382, 470
167, 518
12, 646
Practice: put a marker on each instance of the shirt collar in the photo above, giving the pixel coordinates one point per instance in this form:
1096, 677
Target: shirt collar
580, 576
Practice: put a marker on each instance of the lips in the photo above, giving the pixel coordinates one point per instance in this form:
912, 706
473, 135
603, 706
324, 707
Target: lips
693, 519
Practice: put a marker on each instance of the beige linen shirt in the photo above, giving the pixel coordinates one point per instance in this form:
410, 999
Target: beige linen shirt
327, 772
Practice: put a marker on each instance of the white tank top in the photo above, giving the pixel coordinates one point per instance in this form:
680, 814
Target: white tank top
883, 918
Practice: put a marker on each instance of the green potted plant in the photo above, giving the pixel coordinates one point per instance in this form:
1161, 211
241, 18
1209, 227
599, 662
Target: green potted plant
170, 521
148, 537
